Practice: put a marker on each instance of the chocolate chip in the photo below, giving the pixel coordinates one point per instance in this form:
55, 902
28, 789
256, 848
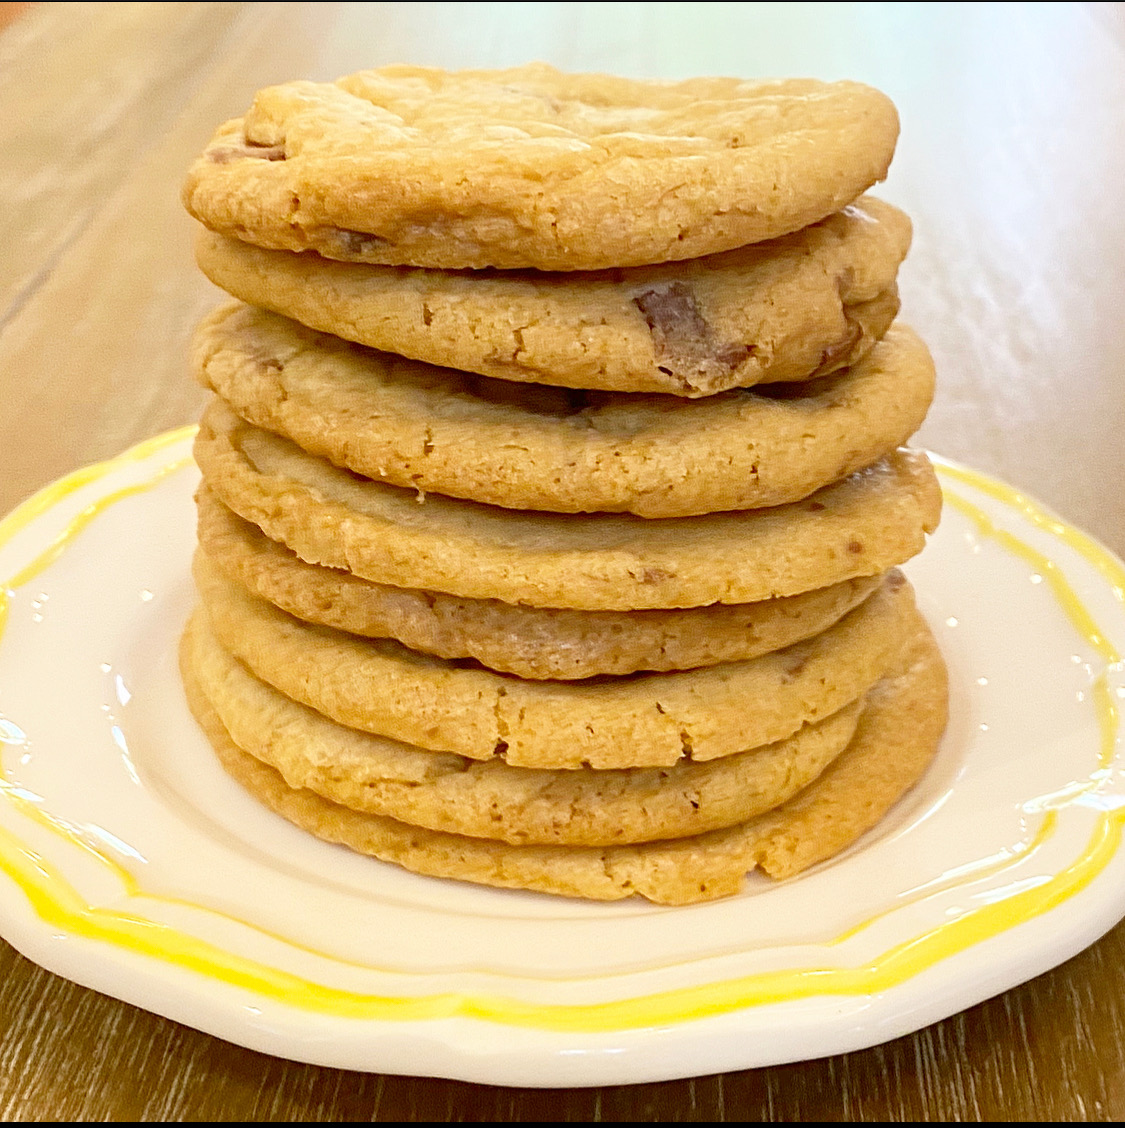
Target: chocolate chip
671, 311
839, 352
685, 344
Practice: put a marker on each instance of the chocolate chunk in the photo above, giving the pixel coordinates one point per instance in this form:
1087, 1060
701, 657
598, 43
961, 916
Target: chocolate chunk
686, 346
671, 311
839, 352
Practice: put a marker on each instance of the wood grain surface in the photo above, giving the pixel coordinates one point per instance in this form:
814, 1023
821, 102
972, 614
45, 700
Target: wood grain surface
1011, 164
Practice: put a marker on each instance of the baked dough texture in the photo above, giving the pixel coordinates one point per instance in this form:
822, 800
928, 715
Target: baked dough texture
896, 738
530, 167
555, 477
871, 521
530, 642
492, 799
800, 306
645, 720
539, 448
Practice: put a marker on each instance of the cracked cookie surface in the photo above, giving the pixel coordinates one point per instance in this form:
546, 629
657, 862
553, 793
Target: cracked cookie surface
897, 737
810, 302
533, 447
493, 799
869, 522
530, 642
531, 167
642, 720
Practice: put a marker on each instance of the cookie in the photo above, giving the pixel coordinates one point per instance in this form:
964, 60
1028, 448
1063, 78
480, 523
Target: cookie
644, 720
871, 521
799, 306
492, 799
897, 736
530, 642
530, 167
535, 447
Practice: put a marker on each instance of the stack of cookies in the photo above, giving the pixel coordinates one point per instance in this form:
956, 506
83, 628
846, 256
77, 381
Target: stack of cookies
554, 481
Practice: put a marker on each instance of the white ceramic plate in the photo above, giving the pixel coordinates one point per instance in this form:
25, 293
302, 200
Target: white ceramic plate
130, 863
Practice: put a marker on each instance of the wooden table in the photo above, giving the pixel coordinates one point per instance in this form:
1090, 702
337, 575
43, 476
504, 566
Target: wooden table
1011, 163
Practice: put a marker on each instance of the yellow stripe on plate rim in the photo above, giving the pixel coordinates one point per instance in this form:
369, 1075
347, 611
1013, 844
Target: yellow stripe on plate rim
58, 904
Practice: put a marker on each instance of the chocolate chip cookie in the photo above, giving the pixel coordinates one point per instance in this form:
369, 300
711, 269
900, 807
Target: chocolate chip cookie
531, 167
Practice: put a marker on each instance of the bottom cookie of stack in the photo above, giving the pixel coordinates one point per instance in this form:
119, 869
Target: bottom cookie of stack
794, 803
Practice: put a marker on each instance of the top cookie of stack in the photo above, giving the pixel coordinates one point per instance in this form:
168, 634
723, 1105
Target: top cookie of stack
612, 336
530, 168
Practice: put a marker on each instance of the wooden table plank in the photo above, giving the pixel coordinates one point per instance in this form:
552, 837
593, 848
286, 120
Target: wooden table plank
93, 87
